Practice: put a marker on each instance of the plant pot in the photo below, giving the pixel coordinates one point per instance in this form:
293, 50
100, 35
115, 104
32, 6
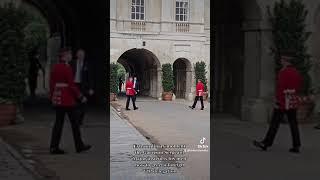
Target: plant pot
167, 96
113, 97
304, 111
7, 114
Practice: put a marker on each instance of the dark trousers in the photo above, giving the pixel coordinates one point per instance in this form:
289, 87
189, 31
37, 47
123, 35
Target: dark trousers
133, 101
32, 81
81, 107
58, 126
196, 100
275, 123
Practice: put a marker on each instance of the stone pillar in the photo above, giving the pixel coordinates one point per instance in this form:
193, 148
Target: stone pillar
189, 81
258, 73
159, 84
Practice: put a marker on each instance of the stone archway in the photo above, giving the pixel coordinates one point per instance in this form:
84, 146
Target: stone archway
242, 68
143, 64
182, 78
69, 26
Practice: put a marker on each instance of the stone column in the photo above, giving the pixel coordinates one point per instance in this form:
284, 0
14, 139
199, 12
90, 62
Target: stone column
258, 73
189, 81
159, 83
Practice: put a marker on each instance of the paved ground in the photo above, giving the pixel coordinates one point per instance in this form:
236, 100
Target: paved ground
122, 167
10, 167
31, 139
174, 123
235, 157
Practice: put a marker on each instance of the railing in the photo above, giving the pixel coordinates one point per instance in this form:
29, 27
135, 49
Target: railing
138, 26
182, 27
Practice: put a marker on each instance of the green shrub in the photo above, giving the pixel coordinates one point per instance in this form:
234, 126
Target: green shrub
12, 54
167, 78
288, 20
113, 78
200, 73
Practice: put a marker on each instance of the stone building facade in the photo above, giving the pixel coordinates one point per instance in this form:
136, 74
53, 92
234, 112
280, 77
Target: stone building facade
144, 34
244, 70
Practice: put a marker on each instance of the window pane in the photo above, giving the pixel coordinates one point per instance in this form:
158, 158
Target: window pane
138, 2
142, 9
132, 16
137, 16
184, 11
177, 10
133, 2
181, 17
181, 11
177, 4
185, 5
142, 16
181, 4
132, 9
177, 17
137, 9
142, 2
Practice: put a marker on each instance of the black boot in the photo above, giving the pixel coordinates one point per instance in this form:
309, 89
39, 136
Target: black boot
294, 150
84, 148
260, 145
56, 151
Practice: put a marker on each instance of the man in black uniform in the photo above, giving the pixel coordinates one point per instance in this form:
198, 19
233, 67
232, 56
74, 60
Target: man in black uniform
34, 68
83, 79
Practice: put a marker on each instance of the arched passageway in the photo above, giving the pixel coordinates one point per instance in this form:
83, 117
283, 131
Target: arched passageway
70, 26
145, 66
182, 78
237, 55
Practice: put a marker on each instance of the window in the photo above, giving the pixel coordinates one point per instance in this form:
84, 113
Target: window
182, 7
137, 10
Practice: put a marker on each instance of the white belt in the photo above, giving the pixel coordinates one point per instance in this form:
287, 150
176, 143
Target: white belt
129, 88
199, 90
62, 85
289, 91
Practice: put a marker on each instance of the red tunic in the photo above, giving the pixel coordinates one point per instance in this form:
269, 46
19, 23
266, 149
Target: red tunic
199, 89
129, 89
63, 91
289, 80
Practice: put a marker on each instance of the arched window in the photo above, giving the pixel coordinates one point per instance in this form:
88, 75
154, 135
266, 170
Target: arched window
182, 10
137, 10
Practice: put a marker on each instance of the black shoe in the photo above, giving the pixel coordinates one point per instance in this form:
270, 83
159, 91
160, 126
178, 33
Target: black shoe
260, 145
294, 150
202, 109
135, 108
128, 109
191, 107
56, 151
84, 148
317, 126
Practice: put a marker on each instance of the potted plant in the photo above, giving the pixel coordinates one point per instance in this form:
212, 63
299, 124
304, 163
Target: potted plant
12, 62
288, 20
200, 73
113, 81
167, 82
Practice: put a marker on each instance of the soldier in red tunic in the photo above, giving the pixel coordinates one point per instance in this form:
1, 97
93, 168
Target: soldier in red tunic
130, 92
63, 94
199, 95
289, 83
